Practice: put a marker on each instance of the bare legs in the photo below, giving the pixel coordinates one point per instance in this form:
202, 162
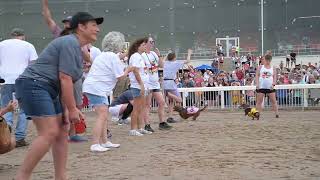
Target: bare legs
51, 134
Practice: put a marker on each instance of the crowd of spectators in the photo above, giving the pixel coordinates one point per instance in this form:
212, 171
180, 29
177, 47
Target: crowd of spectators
243, 74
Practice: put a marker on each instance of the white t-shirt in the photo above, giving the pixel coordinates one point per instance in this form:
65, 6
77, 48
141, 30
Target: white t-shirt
136, 60
152, 61
103, 74
266, 78
170, 69
15, 56
94, 52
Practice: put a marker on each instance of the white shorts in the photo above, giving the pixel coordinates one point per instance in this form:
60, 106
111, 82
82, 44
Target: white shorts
115, 110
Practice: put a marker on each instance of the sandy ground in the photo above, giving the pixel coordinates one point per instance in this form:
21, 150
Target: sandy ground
217, 146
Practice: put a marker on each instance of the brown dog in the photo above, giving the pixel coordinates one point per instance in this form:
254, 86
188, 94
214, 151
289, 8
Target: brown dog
185, 113
250, 112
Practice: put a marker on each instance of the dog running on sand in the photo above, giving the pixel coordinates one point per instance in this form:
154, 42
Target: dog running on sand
250, 112
186, 113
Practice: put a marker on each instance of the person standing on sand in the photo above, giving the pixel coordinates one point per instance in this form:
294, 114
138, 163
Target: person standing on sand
46, 86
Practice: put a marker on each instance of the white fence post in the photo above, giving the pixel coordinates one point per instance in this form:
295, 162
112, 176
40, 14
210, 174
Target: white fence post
184, 99
222, 99
305, 97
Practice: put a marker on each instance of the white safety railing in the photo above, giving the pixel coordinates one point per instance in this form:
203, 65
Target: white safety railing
230, 97
291, 96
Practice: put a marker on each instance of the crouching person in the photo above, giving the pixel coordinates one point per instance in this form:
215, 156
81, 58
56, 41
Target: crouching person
121, 107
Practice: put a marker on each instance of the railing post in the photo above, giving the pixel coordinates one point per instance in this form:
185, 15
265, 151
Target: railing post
305, 97
222, 99
184, 99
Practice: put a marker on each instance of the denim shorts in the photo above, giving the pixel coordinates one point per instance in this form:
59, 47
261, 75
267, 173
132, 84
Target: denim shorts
38, 98
137, 92
95, 100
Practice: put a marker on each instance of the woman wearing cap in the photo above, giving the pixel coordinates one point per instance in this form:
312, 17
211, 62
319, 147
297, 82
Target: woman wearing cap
47, 85
266, 78
102, 78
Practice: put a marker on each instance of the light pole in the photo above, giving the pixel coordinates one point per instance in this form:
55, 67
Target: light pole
172, 25
262, 27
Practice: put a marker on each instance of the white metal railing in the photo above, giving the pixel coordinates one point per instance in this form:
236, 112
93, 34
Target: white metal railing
230, 97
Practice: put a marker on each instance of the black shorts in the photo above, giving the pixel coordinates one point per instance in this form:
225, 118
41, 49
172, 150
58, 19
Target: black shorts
266, 91
155, 90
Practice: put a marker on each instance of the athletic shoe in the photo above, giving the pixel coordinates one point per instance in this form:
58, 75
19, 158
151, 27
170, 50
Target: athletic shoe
98, 148
123, 122
171, 120
21, 143
143, 131
135, 133
148, 128
110, 145
164, 126
77, 138
127, 121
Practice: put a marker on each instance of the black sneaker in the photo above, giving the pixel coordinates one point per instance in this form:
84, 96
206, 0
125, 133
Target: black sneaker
171, 120
21, 143
164, 126
147, 127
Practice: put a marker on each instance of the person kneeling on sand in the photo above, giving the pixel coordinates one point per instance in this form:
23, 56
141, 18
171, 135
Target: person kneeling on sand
121, 107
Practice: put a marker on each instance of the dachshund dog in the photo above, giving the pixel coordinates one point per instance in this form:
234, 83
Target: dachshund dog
250, 112
186, 113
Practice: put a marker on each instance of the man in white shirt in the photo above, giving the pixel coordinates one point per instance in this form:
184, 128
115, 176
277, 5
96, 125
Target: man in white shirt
15, 55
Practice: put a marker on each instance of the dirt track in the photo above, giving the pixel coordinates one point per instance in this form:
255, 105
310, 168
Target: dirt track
217, 146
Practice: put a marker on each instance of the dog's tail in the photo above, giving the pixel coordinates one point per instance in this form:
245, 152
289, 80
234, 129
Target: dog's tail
243, 106
204, 108
177, 108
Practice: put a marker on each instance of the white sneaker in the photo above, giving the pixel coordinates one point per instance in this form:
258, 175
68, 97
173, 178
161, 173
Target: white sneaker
143, 131
135, 133
98, 148
110, 145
